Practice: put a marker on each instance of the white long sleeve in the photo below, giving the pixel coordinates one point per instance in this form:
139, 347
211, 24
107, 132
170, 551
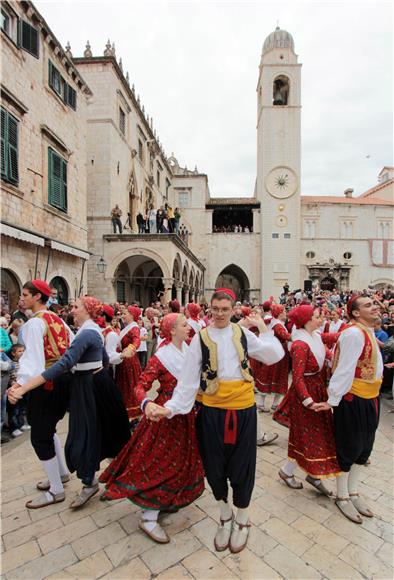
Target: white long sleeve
351, 343
265, 348
111, 344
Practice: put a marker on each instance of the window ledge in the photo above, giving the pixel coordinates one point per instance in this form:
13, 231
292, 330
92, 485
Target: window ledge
53, 93
57, 212
14, 190
12, 44
14, 101
55, 139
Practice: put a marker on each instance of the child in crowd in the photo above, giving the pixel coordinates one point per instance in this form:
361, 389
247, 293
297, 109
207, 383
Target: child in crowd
143, 348
16, 413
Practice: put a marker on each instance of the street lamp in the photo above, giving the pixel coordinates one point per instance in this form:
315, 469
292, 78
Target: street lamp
101, 265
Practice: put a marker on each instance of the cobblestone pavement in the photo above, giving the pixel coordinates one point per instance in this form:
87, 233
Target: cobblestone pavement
295, 534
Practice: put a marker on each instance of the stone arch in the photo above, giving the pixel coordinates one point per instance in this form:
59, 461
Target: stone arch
11, 288
177, 268
234, 277
138, 278
281, 90
381, 283
149, 254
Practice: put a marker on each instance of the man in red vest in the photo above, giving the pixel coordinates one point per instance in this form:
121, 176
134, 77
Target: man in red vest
46, 338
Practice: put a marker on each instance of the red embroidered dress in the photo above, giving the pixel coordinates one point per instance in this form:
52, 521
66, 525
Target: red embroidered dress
128, 372
280, 370
160, 467
311, 435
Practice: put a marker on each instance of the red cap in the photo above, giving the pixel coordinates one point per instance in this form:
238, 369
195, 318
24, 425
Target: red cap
108, 310
302, 314
267, 305
135, 311
350, 303
246, 310
276, 309
42, 287
174, 305
228, 292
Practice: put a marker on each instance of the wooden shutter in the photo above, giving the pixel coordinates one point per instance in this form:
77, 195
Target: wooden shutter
71, 97
29, 41
57, 180
13, 170
4, 140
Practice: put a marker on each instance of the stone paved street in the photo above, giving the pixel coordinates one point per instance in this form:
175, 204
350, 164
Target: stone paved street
296, 534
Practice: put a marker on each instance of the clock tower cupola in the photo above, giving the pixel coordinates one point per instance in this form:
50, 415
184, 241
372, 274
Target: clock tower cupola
279, 162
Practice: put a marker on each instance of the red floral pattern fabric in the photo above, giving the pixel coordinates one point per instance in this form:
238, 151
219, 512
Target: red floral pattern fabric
160, 467
311, 434
128, 372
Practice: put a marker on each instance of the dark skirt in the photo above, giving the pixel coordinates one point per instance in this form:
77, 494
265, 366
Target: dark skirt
98, 425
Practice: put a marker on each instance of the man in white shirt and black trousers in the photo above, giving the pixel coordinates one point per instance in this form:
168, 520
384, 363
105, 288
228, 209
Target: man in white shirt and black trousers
217, 364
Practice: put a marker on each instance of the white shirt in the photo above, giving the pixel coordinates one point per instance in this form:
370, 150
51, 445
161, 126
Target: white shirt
351, 342
266, 348
111, 344
143, 347
32, 361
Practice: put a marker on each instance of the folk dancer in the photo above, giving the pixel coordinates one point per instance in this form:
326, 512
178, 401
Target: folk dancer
128, 370
354, 398
46, 338
98, 425
311, 443
217, 362
160, 468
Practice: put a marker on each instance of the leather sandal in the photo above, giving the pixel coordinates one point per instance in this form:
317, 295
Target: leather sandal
239, 537
360, 505
45, 485
158, 534
84, 496
266, 439
319, 486
290, 480
42, 500
223, 533
345, 505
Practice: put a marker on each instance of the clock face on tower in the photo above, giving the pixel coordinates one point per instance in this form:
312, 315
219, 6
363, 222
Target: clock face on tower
281, 182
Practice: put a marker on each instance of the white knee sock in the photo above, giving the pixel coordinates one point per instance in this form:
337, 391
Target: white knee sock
260, 399
277, 399
289, 468
150, 517
354, 477
242, 515
260, 432
225, 510
60, 456
51, 468
342, 485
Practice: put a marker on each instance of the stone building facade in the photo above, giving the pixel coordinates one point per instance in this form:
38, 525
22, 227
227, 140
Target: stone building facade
43, 167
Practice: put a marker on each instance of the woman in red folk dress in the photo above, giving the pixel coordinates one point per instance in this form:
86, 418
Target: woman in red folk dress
311, 437
128, 371
160, 468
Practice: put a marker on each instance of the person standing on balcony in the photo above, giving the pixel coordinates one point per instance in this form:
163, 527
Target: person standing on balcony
116, 214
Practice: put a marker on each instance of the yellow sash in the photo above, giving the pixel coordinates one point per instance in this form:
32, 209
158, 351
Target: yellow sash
364, 389
231, 395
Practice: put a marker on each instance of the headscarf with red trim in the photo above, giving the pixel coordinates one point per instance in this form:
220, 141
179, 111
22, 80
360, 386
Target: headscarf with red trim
277, 309
302, 314
227, 291
174, 306
194, 310
92, 305
166, 325
135, 312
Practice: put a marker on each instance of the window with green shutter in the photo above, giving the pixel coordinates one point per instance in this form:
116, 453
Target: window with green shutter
29, 39
61, 88
9, 147
57, 180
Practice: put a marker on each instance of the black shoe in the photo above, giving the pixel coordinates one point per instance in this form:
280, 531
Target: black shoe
4, 438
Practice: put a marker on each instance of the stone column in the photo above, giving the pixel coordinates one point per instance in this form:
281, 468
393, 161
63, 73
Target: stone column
167, 283
187, 295
179, 291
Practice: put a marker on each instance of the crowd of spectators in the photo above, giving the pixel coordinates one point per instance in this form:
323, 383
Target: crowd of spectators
233, 229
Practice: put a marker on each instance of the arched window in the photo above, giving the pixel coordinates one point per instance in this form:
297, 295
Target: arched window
281, 90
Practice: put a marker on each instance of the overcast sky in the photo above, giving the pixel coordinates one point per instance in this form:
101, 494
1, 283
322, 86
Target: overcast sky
195, 65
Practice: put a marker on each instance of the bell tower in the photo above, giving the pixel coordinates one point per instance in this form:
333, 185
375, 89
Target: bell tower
279, 163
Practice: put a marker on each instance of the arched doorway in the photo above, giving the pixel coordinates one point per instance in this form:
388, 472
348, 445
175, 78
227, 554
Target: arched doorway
328, 283
138, 279
10, 290
62, 290
234, 277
